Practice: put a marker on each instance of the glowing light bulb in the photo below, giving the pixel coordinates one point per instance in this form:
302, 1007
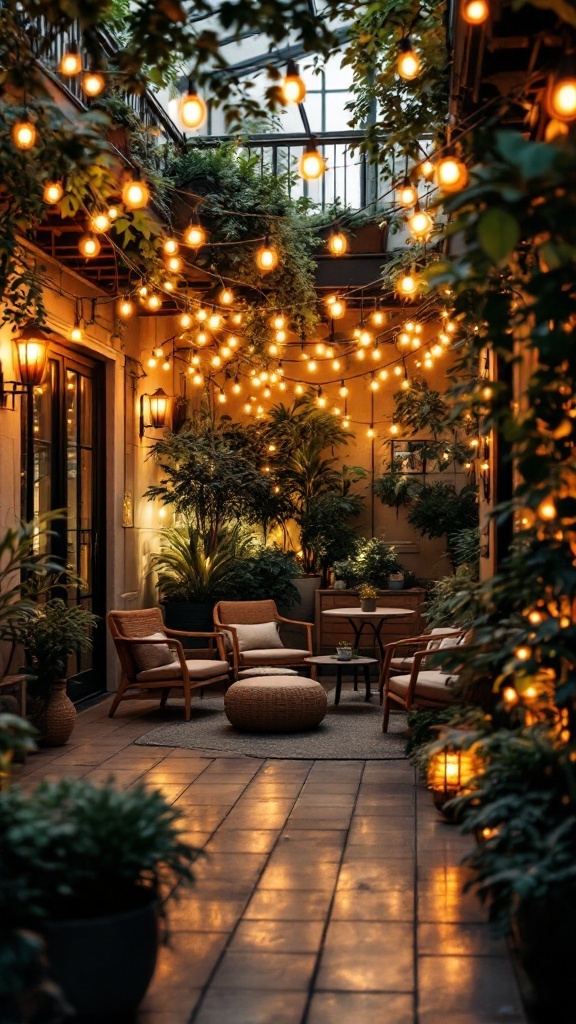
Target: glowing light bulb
24, 134
405, 384
343, 390
221, 397
266, 257
197, 379
278, 322
93, 83
125, 308
100, 222
427, 169
561, 93
555, 130
346, 423
226, 297
298, 390
337, 309
53, 192
547, 510
89, 246
378, 318
154, 301
293, 89
233, 342
281, 337
312, 366
320, 348
397, 371
394, 429
76, 333
336, 364
236, 388
361, 355
403, 338
522, 653
192, 108
451, 174
475, 12
135, 194
365, 338
174, 264
195, 236
112, 212
383, 375
420, 223
216, 361
311, 164
509, 695
185, 320
321, 401
407, 285
71, 62
374, 385
406, 193
170, 247
202, 314
201, 337
166, 365
370, 432
214, 321
337, 243
408, 62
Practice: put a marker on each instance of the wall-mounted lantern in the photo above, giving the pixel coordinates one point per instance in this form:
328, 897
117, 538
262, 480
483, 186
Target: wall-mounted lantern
31, 347
156, 409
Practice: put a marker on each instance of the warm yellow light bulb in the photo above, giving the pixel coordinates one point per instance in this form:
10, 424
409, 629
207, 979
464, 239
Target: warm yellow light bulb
383, 375
214, 321
193, 111
93, 83
76, 334
125, 308
407, 285
185, 320
374, 385
451, 174
311, 164
24, 134
522, 653
561, 97
195, 236
378, 318
370, 432
427, 169
343, 391
197, 379
394, 429
475, 12
53, 192
408, 62
337, 243
154, 301
174, 264
266, 258
135, 194
407, 195
226, 297
278, 322
100, 222
293, 89
337, 309
336, 364
71, 62
89, 246
420, 224
170, 247
547, 510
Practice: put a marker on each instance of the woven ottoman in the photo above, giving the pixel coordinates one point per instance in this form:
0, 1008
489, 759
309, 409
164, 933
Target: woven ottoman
275, 704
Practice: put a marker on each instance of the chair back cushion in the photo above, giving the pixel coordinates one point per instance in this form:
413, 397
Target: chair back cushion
436, 645
258, 636
140, 622
245, 612
149, 656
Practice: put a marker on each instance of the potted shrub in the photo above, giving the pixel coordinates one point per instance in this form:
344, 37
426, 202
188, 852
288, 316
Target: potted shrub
368, 595
86, 867
396, 581
343, 650
372, 562
55, 631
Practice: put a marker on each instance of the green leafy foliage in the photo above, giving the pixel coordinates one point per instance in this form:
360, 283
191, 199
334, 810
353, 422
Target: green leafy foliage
70, 849
193, 567
55, 631
451, 601
440, 510
372, 562
22, 553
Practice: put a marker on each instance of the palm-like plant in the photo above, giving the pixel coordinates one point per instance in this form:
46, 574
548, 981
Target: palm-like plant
191, 568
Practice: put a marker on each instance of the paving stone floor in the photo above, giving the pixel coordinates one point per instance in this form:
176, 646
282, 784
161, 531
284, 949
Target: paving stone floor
331, 893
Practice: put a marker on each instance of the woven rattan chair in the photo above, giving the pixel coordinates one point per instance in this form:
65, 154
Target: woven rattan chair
133, 629
251, 613
419, 685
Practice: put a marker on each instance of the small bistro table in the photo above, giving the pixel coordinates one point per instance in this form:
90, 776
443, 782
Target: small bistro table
342, 665
359, 619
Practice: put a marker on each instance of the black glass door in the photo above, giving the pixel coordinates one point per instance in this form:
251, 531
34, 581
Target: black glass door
63, 459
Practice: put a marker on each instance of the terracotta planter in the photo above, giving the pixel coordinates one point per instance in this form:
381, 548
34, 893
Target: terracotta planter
104, 964
55, 717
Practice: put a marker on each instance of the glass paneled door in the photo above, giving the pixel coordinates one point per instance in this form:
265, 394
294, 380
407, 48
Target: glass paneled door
63, 458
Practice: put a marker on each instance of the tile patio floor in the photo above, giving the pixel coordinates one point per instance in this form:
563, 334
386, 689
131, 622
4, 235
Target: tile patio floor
331, 894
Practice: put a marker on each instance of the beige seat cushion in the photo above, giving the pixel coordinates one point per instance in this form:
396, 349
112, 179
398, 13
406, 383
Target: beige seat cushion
431, 685
401, 664
272, 656
149, 656
197, 669
257, 636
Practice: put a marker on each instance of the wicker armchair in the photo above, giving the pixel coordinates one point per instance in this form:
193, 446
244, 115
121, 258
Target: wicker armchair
229, 614
132, 631
416, 685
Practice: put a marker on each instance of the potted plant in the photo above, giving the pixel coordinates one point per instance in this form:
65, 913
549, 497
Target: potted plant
343, 650
396, 581
372, 562
50, 635
86, 867
368, 595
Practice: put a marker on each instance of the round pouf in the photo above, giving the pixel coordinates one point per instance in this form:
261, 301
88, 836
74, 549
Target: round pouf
277, 704
266, 670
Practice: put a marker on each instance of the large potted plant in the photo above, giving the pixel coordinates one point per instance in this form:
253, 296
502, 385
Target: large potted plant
55, 631
86, 867
373, 561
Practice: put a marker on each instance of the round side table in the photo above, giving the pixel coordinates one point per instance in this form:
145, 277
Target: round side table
341, 664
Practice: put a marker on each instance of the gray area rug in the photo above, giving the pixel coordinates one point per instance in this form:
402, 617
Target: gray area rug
351, 732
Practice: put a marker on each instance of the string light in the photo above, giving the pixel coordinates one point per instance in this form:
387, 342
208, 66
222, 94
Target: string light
170, 247
407, 285
407, 194
166, 364
266, 257
427, 169
76, 333
71, 61
92, 83
336, 364
292, 89
522, 653
226, 297
135, 194
236, 388
383, 375
394, 428
336, 307
112, 212
420, 223
192, 110
451, 174
343, 390
24, 134
154, 301
221, 397
370, 431
561, 92
125, 308
280, 337
378, 318
278, 322
100, 222
201, 314
89, 246
547, 510
475, 12
198, 380
53, 192
408, 62
214, 321
311, 164
195, 236
374, 385
337, 242
185, 320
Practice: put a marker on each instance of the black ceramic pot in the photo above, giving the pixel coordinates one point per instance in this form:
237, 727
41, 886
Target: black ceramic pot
193, 616
104, 964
